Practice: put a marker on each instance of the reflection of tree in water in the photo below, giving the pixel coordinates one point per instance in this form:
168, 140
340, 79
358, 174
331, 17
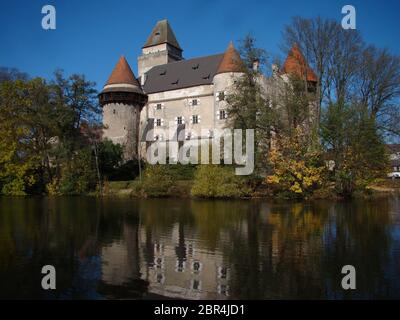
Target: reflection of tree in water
214, 219
69, 234
268, 250
43, 231
300, 249
359, 235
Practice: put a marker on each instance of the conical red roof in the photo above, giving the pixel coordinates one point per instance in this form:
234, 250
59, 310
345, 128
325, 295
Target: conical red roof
231, 62
122, 73
297, 65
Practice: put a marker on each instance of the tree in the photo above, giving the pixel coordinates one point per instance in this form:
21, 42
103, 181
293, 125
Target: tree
348, 70
110, 158
17, 161
248, 104
12, 74
43, 132
379, 88
296, 170
355, 145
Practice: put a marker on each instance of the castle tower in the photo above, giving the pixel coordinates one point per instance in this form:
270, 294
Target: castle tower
296, 65
122, 100
230, 68
160, 48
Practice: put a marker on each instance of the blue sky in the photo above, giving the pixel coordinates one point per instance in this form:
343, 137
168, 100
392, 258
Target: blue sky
91, 35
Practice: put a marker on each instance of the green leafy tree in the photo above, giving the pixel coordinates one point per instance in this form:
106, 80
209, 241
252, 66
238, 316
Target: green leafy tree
354, 145
110, 158
248, 105
17, 161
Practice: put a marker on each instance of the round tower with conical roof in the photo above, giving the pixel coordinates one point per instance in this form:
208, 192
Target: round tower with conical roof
229, 69
122, 99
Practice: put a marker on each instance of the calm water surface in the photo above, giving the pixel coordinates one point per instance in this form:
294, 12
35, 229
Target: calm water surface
133, 249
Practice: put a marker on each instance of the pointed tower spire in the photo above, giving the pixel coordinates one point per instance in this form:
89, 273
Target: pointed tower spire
122, 77
297, 65
231, 61
122, 73
162, 33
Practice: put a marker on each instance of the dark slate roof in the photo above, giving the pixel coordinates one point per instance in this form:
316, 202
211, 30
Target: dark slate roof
182, 74
162, 33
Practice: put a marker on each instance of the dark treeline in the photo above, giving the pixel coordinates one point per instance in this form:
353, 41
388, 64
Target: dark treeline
50, 136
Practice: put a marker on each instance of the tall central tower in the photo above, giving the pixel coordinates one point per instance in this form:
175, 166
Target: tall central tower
161, 47
122, 100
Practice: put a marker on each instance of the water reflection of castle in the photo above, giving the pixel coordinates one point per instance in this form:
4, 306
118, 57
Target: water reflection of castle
175, 268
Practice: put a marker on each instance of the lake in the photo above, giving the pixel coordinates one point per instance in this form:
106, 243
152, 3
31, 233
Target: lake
198, 249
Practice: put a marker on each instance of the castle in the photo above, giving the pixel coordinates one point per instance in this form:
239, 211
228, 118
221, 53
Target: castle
171, 92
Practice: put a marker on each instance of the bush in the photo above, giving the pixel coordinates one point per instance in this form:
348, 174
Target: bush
297, 170
78, 176
157, 181
182, 172
110, 157
213, 181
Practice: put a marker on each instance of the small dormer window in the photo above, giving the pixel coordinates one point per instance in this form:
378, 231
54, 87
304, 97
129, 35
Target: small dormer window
195, 67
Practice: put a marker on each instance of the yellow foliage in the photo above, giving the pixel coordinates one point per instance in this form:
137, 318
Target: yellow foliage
295, 169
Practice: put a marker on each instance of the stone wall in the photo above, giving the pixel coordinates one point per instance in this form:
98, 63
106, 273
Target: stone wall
121, 123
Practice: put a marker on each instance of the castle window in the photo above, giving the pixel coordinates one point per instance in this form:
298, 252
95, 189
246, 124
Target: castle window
179, 120
194, 102
221, 96
158, 122
159, 106
114, 111
222, 114
195, 119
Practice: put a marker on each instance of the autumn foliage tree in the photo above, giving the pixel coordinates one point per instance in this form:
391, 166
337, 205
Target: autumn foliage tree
296, 169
